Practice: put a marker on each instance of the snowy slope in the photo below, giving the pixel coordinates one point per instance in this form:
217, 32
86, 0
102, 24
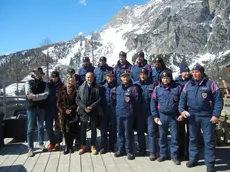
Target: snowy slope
151, 27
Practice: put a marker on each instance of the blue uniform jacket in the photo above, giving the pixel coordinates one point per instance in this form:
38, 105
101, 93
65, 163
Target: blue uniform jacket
135, 70
51, 101
165, 100
83, 70
100, 73
127, 100
156, 73
110, 94
119, 69
182, 82
147, 91
202, 98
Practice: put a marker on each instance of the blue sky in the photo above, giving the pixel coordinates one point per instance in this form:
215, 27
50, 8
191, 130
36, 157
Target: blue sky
25, 23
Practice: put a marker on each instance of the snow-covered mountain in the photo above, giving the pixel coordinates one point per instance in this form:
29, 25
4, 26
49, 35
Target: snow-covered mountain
177, 30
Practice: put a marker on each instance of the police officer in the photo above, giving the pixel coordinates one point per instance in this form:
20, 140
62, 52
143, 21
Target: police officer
164, 108
108, 121
127, 103
184, 77
145, 116
204, 100
101, 70
158, 67
86, 67
122, 65
141, 63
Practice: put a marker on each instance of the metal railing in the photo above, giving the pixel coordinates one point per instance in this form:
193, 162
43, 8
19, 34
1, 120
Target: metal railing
9, 95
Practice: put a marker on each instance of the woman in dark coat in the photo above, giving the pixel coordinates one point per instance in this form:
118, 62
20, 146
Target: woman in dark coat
67, 113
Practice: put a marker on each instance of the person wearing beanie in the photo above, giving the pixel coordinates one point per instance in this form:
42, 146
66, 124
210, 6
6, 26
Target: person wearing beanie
199, 68
202, 99
164, 109
127, 104
184, 77
101, 70
121, 65
55, 138
140, 64
158, 67
86, 67
145, 117
108, 121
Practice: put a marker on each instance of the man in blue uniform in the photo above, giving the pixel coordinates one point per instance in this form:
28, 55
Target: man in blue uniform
127, 104
140, 64
108, 121
122, 65
164, 108
101, 70
158, 67
86, 67
145, 117
184, 77
204, 101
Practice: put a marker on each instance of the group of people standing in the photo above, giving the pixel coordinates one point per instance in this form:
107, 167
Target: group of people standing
122, 98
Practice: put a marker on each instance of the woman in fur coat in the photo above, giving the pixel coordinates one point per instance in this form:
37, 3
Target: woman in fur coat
67, 113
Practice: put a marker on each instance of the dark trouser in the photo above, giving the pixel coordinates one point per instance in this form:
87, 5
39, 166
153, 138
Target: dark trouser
93, 128
70, 135
125, 134
77, 136
54, 137
151, 135
195, 124
140, 124
33, 116
168, 121
183, 139
108, 123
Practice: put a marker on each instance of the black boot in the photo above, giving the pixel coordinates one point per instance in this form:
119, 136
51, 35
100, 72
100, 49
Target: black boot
130, 156
191, 164
66, 151
71, 150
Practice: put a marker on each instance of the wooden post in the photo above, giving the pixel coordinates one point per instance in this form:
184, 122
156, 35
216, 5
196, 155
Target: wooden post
4, 99
226, 89
1, 130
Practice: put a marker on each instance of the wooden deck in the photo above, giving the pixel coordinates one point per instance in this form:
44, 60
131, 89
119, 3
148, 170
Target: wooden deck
13, 158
